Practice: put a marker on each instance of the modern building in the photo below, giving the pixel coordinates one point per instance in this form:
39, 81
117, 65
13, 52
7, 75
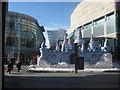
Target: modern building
100, 18
23, 36
55, 37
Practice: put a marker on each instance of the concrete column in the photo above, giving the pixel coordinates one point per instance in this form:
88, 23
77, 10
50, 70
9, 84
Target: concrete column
105, 28
3, 11
1, 45
92, 28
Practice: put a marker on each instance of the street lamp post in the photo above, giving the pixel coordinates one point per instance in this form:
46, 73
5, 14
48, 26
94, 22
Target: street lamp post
76, 51
19, 40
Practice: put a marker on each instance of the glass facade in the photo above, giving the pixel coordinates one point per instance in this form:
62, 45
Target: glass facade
55, 36
100, 28
23, 34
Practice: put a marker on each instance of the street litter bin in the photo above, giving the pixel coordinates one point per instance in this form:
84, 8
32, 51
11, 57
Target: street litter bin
80, 63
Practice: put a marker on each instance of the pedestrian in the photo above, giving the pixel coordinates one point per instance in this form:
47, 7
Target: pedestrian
28, 61
31, 62
18, 65
9, 67
12, 65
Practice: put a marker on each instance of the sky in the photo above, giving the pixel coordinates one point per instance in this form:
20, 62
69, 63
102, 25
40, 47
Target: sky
51, 15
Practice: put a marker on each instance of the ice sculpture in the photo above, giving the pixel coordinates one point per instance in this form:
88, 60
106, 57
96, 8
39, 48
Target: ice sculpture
91, 55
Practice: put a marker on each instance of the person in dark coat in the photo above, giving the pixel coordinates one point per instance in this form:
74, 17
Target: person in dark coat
9, 66
19, 66
12, 65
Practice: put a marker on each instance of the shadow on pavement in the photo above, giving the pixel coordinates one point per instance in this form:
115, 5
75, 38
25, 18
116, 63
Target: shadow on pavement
92, 81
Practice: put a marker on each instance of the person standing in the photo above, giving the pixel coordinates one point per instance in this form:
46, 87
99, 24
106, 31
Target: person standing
9, 66
12, 65
19, 66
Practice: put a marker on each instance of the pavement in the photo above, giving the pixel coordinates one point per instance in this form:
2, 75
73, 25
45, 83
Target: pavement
25, 79
62, 80
23, 72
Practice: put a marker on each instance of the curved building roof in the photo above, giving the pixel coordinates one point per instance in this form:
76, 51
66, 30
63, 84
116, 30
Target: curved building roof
21, 15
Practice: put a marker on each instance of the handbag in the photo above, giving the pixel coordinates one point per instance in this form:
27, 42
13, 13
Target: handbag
6, 70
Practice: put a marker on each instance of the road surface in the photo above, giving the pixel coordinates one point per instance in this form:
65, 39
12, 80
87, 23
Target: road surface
25, 79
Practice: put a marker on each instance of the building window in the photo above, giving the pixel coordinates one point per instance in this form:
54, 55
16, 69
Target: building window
110, 16
111, 27
98, 30
11, 39
11, 21
75, 34
100, 20
87, 25
30, 41
70, 35
87, 33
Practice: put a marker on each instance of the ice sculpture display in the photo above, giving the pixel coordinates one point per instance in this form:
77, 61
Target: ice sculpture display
93, 58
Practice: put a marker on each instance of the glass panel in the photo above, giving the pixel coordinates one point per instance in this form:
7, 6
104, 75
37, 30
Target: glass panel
11, 39
23, 40
11, 23
111, 28
98, 30
70, 35
75, 34
87, 33
99, 21
28, 41
88, 25
112, 16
